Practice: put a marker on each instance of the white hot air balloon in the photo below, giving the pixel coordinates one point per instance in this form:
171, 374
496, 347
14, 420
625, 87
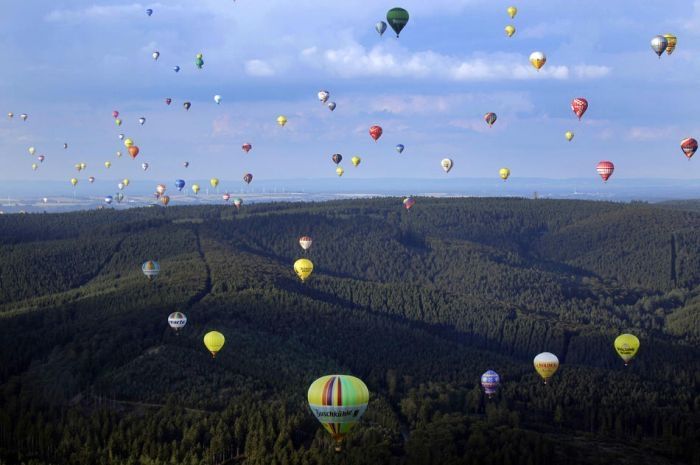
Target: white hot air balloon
446, 165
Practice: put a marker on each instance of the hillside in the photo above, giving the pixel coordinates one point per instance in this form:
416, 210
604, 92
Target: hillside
416, 303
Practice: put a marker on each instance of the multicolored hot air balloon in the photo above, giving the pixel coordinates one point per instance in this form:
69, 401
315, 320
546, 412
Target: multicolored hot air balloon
161, 188
689, 147
246, 147
605, 169
538, 59
150, 268
248, 178
446, 164
546, 364
214, 341
165, 200
237, 202
397, 19
579, 105
504, 173
226, 197
375, 132
177, 321
626, 346
490, 381
303, 268
323, 95
338, 402
490, 118
659, 44
337, 158
305, 242
672, 41
408, 203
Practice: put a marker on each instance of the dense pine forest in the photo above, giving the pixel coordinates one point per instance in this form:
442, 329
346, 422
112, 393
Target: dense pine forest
417, 303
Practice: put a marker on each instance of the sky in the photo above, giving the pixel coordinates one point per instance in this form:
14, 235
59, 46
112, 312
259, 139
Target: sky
69, 64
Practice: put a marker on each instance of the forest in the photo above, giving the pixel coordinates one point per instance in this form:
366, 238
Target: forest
417, 303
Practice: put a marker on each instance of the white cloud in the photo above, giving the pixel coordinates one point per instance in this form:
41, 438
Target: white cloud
95, 12
591, 71
259, 68
646, 133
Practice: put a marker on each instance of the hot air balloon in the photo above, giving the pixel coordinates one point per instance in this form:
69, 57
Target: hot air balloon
65, 145
246, 147
34, 166
77, 167
338, 402
108, 164
108, 199
446, 164
186, 164
331, 106
31, 150
323, 95
397, 19
579, 105
659, 45
626, 346
187, 105
165, 200
128, 142
605, 169
337, 158
73, 181
339, 171
355, 161
180, 184
490, 382
214, 182
409, 202
160, 189
91, 179
400, 148
305, 242
120, 186
248, 178
119, 154
510, 30
504, 173
303, 268
538, 59
41, 158
214, 341
119, 196
126, 181
689, 147
83, 165
177, 321
199, 61
226, 197
150, 268
380, 27
490, 118
168, 101
24, 116
144, 166
195, 189
282, 120
672, 41
115, 114
45, 200
512, 11
237, 202
118, 122
569, 135
149, 12
176, 69
142, 121
217, 99
375, 132
10, 115
133, 151
121, 136
546, 364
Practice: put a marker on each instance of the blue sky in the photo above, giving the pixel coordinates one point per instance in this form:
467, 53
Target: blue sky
68, 64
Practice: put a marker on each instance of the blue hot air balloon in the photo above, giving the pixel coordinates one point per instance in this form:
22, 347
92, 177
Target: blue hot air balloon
176, 69
108, 199
399, 148
490, 382
180, 183
149, 12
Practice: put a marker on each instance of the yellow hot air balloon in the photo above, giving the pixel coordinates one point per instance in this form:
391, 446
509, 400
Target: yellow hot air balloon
510, 30
34, 166
125, 181
339, 171
128, 142
214, 182
74, 181
626, 346
303, 268
338, 402
195, 188
32, 150
78, 167
108, 164
214, 341
281, 120
118, 122
356, 160
504, 173
538, 59
672, 41
83, 166
512, 11
546, 365
569, 135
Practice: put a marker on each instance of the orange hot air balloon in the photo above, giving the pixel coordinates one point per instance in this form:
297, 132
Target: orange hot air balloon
376, 132
133, 151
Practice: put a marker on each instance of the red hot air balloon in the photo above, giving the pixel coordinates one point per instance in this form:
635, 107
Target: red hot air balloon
133, 151
689, 147
605, 169
375, 132
115, 114
247, 178
226, 197
490, 118
409, 202
246, 147
168, 101
579, 105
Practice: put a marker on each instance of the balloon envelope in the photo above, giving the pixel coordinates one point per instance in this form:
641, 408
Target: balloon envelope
177, 320
397, 19
546, 364
446, 164
579, 105
303, 268
605, 169
305, 242
626, 346
375, 132
504, 173
659, 44
380, 27
490, 382
150, 268
214, 341
689, 147
538, 59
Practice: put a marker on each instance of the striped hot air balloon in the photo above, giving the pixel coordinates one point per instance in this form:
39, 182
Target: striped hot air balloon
605, 169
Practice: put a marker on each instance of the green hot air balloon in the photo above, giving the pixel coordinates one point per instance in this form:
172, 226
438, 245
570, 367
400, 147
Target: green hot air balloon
397, 19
